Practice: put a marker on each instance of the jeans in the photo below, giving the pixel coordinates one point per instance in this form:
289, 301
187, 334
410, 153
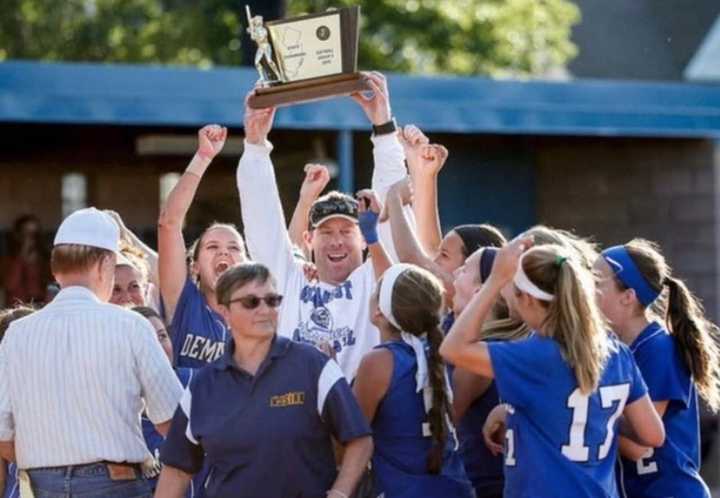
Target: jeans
85, 481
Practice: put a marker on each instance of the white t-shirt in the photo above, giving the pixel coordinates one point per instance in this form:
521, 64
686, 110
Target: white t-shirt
315, 312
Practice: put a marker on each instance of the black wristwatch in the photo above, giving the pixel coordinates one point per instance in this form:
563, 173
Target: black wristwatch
385, 128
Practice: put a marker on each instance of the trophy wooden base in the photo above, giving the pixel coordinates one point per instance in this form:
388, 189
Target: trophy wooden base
308, 90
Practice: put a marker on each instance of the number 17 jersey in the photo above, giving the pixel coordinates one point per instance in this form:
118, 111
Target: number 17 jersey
560, 441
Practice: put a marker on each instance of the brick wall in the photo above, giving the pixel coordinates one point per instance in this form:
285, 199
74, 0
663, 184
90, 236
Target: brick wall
617, 189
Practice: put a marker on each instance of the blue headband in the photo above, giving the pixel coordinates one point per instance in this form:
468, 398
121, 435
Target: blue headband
487, 258
627, 272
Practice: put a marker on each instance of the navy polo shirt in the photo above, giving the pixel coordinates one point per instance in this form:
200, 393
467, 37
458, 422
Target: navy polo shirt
269, 434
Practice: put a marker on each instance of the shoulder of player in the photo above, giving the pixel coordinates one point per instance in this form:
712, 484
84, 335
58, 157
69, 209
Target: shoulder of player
376, 366
659, 343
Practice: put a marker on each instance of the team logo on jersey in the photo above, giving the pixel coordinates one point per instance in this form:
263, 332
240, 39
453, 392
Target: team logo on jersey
322, 318
320, 328
288, 399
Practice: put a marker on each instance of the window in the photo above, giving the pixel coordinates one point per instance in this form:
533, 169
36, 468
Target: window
74, 193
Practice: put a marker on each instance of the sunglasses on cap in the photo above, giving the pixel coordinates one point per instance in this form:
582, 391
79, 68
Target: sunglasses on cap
321, 210
250, 302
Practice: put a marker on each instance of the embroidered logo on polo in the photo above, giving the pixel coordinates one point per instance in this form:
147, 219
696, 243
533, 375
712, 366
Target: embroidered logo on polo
288, 399
319, 328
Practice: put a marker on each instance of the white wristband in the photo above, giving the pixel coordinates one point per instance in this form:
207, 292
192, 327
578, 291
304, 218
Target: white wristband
337, 493
198, 165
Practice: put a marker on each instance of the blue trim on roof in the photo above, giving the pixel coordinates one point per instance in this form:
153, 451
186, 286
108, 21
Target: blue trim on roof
64, 93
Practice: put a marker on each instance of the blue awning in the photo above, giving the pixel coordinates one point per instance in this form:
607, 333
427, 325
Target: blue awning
63, 93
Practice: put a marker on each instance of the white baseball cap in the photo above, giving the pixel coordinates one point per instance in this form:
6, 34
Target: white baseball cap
89, 227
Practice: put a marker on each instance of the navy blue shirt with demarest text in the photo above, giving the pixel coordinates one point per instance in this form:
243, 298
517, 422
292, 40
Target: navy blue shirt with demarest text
267, 434
198, 332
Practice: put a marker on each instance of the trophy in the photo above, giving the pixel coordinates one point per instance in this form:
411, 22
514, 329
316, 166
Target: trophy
306, 58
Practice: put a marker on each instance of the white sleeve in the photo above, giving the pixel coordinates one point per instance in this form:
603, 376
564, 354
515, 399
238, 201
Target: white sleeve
389, 168
161, 388
7, 422
263, 218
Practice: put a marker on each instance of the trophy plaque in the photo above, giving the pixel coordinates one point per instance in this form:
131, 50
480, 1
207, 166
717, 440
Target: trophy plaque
306, 58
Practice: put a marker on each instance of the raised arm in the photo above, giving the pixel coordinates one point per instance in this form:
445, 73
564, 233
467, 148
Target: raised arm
171, 244
406, 243
462, 346
424, 163
266, 234
316, 179
388, 155
369, 210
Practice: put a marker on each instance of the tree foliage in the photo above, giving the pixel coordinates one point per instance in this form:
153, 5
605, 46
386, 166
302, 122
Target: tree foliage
493, 37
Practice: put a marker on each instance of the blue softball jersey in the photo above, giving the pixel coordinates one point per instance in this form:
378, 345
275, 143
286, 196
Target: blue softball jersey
198, 332
559, 441
401, 448
673, 469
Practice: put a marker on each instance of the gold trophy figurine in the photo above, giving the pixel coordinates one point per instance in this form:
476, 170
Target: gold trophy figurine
306, 58
269, 72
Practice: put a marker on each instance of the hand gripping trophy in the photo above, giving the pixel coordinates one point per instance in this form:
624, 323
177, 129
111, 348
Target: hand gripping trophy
264, 63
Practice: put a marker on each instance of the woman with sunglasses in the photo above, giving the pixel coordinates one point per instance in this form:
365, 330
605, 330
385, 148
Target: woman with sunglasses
263, 416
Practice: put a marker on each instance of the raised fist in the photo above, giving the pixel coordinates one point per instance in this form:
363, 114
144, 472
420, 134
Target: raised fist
316, 179
211, 139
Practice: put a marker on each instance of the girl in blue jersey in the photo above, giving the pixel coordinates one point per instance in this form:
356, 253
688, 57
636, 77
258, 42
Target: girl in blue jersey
565, 387
678, 357
475, 396
403, 390
188, 291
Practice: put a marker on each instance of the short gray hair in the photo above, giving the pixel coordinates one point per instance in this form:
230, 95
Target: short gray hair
239, 276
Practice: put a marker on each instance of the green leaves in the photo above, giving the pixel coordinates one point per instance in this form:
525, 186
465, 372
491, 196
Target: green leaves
490, 37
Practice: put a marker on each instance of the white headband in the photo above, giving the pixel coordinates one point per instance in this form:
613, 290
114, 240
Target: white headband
386, 290
422, 376
523, 283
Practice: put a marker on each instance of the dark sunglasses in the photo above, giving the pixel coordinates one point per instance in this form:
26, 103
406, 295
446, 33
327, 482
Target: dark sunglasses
251, 302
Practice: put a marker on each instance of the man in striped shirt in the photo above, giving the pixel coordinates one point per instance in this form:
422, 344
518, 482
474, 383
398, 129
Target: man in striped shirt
75, 376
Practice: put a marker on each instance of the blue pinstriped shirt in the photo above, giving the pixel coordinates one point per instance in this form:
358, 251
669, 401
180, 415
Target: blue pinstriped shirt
74, 378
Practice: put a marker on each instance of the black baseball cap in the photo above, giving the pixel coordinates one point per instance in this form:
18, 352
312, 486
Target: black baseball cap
333, 205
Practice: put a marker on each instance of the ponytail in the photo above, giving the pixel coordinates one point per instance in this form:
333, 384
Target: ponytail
573, 318
441, 412
417, 297
696, 338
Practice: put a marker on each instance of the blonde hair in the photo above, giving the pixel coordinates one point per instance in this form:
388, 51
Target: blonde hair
137, 260
417, 299
9, 315
695, 336
504, 329
584, 248
573, 320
